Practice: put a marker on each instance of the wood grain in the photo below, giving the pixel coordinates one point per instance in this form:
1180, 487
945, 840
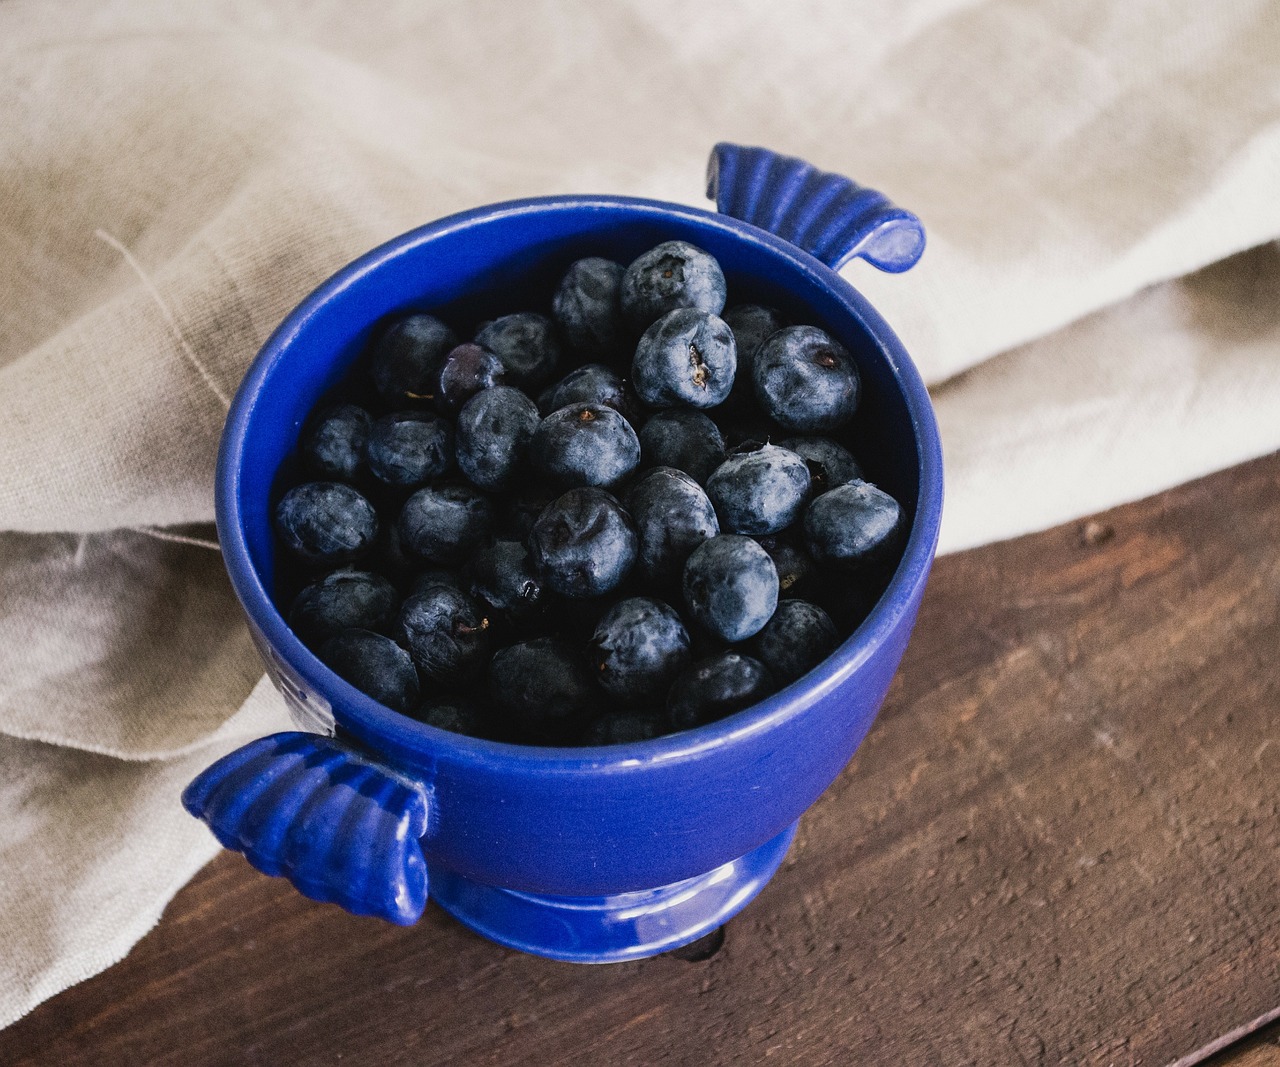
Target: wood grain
1058, 845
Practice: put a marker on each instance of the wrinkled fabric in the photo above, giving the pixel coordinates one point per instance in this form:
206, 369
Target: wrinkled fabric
174, 177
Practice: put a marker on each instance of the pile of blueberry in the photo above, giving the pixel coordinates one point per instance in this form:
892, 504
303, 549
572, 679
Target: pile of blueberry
652, 541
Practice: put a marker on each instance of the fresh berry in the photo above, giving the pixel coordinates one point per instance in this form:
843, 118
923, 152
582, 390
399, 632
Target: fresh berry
583, 544
806, 380
730, 587
798, 637
326, 523
443, 524
409, 448
375, 665
343, 600
465, 371
625, 728
853, 525
759, 489
495, 428
503, 577
585, 444
640, 645
675, 274
458, 715
425, 579
587, 309
715, 687
752, 325
672, 517
527, 345
830, 464
684, 439
687, 358
545, 689
333, 448
591, 384
447, 634
407, 360
796, 571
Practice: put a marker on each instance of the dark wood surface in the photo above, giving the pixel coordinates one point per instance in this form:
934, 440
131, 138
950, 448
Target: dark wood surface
1059, 844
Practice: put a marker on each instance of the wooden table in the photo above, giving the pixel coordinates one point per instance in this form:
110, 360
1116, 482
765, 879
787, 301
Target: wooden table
1059, 844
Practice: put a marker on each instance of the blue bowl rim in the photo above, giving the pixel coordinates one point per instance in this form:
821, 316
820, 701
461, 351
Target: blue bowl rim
379, 727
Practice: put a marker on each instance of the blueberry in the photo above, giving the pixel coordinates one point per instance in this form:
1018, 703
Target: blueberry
796, 571
853, 525
343, 600
375, 665
545, 688
672, 517
715, 687
673, 275
798, 637
520, 510
640, 645
830, 464
587, 309
447, 634
326, 522
444, 524
409, 448
425, 579
583, 544
407, 360
806, 380
585, 444
458, 715
687, 358
759, 489
527, 345
684, 439
625, 727
730, 587
752, 325
465, 371
333, 447
593, 383
503, 577
493, 433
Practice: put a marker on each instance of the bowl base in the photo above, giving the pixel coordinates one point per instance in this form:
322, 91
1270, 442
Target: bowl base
610, 929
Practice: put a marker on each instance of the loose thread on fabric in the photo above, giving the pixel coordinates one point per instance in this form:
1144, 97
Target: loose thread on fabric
187, 350
178, 539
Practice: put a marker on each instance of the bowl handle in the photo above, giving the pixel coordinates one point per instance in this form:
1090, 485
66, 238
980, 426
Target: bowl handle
826, 214
341, 827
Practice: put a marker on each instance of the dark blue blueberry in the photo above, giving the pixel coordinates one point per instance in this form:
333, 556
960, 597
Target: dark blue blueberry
447, 634
759, 489
806, 380
798, 637
445, 524
585, 444
465, 371
407, 360
640, 645
685, 358
326, 523
730, 587
672, 517
593, 383
625, 728
494, 430
527, 345
458, 715
830, 464
520, 510
587, 309
333, 447
343, 600
715, 687
752, 325
409, 448
503, 576
545, 688
853, 525
425, 579
684, 439
673, 275
797, 573
583, 543
375, 665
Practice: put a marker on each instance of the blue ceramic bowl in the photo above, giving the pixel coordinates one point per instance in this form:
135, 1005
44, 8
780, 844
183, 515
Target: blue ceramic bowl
588, 854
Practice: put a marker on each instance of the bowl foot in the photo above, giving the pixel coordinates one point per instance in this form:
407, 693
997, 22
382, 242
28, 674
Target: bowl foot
610, 929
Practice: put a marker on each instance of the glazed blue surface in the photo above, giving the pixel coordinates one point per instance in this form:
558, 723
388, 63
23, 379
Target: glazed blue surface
530, 825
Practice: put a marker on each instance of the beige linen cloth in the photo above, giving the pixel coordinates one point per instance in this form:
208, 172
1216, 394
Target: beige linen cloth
174, 177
